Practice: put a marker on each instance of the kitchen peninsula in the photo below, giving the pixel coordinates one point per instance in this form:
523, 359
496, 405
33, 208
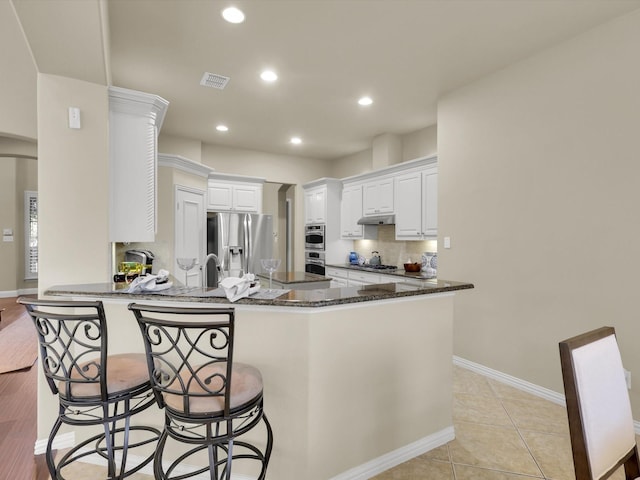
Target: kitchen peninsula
357, 379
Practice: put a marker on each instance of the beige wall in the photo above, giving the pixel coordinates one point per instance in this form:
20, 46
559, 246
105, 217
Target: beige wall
8, 219
184, 147
350, 165
538, 190
18, 172
421, 143
18, 79
16, 176
73, 200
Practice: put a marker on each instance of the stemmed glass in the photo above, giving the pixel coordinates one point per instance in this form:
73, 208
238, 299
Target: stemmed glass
270, 265
186, 264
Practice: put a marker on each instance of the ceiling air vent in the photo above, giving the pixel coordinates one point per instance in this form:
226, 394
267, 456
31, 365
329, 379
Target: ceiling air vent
214, 80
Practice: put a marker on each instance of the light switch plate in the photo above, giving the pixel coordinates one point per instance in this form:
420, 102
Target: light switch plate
7, 231
7, 238
74, 117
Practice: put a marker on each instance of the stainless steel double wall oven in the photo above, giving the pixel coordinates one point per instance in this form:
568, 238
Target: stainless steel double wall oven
314, 244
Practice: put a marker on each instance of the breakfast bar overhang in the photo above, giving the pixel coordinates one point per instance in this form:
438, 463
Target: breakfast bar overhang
356, 380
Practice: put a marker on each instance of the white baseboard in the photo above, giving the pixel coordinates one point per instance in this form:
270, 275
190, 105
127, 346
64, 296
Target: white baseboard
396, 457
523, 385
66, 440
17, 293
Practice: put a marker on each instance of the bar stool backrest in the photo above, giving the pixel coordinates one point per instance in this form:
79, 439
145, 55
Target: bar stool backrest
188, 360
598, 407
73, 344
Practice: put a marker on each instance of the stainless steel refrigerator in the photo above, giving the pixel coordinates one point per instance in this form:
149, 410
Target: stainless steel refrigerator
239, 240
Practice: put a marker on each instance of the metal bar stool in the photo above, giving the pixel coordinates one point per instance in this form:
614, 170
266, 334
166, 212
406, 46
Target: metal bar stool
93, 388
210, 402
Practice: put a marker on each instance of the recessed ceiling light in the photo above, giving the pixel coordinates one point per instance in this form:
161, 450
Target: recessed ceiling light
233, 15
222, 128
269, 76
364, 101
296, 140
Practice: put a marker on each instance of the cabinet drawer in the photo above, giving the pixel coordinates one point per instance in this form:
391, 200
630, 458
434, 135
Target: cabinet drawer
336, 273
364, 277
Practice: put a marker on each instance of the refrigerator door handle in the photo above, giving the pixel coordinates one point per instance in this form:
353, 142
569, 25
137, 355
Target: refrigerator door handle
247, 243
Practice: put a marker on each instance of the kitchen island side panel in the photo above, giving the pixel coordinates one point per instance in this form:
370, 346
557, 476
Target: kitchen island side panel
343, 385
379, 380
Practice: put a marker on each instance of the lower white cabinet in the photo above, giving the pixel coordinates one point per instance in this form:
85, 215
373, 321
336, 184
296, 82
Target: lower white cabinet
339, 277
358, 278
343, 277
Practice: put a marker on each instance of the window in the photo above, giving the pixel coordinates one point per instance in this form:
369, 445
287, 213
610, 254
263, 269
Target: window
31, 235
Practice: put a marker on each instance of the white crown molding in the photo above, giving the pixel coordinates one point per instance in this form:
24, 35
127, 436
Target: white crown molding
184, 164
393, 169
233, 178
132, 101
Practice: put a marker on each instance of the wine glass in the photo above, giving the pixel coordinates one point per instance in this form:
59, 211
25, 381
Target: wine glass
270, 265
186, 264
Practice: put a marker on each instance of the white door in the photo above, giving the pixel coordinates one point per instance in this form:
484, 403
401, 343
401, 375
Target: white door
190, 233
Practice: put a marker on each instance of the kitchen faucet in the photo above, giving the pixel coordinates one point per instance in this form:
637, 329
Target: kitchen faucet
214, 257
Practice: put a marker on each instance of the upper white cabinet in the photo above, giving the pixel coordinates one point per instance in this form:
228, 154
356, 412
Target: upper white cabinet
135, 119
377, 196
416, 199
315, 205
351, 211
226, 193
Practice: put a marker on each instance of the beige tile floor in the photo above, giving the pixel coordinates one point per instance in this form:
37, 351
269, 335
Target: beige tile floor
501, 433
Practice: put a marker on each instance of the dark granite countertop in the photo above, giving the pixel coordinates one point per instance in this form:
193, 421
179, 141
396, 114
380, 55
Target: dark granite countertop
295, 277
399, 272
288, 298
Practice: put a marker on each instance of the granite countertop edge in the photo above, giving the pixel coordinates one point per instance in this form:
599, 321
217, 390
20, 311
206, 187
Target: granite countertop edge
294, 298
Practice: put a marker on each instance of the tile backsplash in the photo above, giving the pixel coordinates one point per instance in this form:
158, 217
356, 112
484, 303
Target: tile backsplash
393, 252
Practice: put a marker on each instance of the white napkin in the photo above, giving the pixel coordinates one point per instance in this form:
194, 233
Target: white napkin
236, 288
150, 283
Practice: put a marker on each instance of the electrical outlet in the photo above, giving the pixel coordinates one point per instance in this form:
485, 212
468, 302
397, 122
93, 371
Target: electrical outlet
627, 377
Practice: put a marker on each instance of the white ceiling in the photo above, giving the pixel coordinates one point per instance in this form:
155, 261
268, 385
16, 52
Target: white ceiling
405, 54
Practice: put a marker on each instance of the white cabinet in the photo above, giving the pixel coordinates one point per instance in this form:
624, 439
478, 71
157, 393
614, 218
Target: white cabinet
358, 278
416, 200
350, 212
344, 277
234, 196
315, 205
339, 277
135, 119
430, 202
377, 196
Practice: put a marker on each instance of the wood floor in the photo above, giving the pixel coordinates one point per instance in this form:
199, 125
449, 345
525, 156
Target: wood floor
18, 413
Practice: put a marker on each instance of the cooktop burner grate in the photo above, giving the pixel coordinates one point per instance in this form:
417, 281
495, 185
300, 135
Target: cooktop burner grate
376, 267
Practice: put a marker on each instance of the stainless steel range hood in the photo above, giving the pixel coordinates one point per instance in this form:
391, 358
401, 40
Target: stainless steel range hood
378, 220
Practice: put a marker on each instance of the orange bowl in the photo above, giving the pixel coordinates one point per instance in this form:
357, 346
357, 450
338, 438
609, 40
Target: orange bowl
412, 267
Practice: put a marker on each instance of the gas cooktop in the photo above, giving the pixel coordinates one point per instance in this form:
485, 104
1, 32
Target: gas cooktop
374, 267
